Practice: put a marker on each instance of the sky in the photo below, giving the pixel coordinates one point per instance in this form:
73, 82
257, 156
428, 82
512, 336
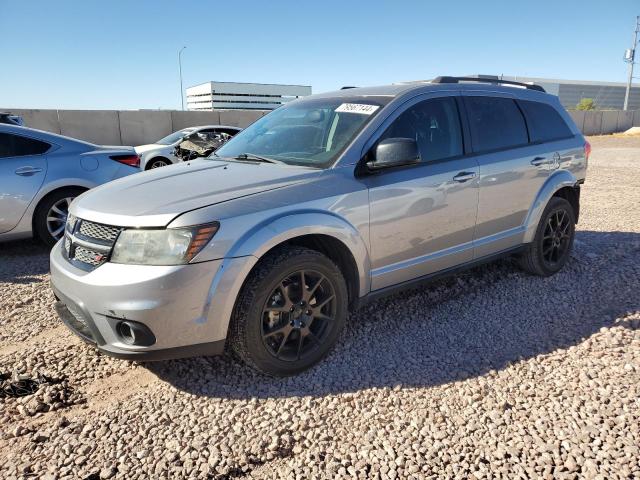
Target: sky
122, 54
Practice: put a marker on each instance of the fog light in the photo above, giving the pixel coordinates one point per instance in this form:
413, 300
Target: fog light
135, 333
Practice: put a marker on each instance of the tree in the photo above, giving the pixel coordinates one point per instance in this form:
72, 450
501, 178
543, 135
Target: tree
586, 104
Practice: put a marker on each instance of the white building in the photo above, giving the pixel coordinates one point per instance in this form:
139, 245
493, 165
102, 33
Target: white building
244, 96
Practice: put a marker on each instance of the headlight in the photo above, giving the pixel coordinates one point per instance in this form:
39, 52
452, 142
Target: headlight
171, 246
71, 222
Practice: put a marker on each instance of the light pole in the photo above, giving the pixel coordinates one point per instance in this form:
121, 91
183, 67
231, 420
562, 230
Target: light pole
180, 68
629, 57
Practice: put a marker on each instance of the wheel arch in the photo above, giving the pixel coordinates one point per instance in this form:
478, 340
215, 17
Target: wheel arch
335, 250
44, 193
321, 231
561, 183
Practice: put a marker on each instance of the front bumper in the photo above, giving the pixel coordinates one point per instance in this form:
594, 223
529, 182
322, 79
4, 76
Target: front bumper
179, 304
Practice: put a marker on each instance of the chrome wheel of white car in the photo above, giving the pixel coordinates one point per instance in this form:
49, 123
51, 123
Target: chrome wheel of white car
157, 164
57, 217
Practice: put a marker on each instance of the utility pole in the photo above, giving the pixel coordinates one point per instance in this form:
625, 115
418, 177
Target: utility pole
629, 57
180, 68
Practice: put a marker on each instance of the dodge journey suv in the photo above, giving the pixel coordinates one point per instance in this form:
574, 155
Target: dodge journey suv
321, 205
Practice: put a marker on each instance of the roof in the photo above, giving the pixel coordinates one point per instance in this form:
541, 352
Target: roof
379, 91
397, 89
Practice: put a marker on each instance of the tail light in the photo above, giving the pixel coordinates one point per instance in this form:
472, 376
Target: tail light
587, 149
132, 160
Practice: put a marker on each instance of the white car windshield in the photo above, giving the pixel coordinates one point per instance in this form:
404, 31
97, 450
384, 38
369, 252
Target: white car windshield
310, 132
175, 136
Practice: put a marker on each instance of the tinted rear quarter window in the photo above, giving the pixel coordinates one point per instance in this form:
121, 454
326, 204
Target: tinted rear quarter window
496, 123
17, 146
544, 121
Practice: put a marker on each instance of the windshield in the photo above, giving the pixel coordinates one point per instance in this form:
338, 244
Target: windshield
175, 136
310, 132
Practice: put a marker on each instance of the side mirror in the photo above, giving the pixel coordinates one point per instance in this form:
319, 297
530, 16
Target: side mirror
395, 152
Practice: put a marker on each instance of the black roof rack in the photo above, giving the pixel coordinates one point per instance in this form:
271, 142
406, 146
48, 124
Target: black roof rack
487, 80
347, 87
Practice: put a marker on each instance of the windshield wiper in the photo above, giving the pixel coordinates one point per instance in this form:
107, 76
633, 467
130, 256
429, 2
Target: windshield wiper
255, 158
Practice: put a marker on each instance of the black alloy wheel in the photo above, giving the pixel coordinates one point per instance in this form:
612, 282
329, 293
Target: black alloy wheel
290, 311
552, 244
297, 315
557, 237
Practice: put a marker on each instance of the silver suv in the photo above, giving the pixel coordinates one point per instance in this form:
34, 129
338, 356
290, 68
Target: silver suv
325, 203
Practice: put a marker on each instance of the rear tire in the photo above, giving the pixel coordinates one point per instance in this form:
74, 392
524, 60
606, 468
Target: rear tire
282, 325
50, 216
553, 242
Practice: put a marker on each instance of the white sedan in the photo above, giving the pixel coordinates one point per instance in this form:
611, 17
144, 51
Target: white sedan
161, 153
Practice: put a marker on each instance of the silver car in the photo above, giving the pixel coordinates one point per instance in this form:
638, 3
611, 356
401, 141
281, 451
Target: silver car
41, 173
324, 204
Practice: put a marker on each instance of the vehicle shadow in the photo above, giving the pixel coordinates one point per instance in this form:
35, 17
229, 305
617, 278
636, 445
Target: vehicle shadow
22, 260
453, 329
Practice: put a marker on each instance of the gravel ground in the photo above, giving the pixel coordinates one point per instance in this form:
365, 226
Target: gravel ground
490, 374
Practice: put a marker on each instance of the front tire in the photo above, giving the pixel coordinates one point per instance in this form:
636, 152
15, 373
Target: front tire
50, 216
157, 163
553, 242
290, 312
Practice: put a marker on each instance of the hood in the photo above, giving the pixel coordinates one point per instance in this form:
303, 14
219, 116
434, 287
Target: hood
155, 197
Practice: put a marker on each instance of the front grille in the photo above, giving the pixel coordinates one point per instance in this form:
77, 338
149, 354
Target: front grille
98, 231
88, 244
90, 257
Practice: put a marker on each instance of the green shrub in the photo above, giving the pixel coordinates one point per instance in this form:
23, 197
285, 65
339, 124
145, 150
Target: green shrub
586, 104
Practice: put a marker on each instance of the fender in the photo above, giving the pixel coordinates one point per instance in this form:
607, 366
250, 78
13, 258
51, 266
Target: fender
558, 179
244, 254
274, 231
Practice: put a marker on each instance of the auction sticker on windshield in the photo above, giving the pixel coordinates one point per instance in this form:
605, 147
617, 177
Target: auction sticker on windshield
362, 108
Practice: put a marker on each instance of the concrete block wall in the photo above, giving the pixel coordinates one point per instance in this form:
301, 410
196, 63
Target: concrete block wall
46, 120
181, 120
625, 121
138, 128
128, 127
578, 118
592, 123
99, 126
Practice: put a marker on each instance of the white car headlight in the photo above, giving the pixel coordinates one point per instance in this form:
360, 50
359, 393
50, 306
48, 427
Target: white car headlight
171, 246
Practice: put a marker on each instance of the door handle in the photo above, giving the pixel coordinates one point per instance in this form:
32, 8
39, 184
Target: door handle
27, 171
536, 162
464, 176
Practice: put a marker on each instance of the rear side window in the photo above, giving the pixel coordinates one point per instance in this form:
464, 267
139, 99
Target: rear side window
545, 123
17, 146
496, 123
434, 124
